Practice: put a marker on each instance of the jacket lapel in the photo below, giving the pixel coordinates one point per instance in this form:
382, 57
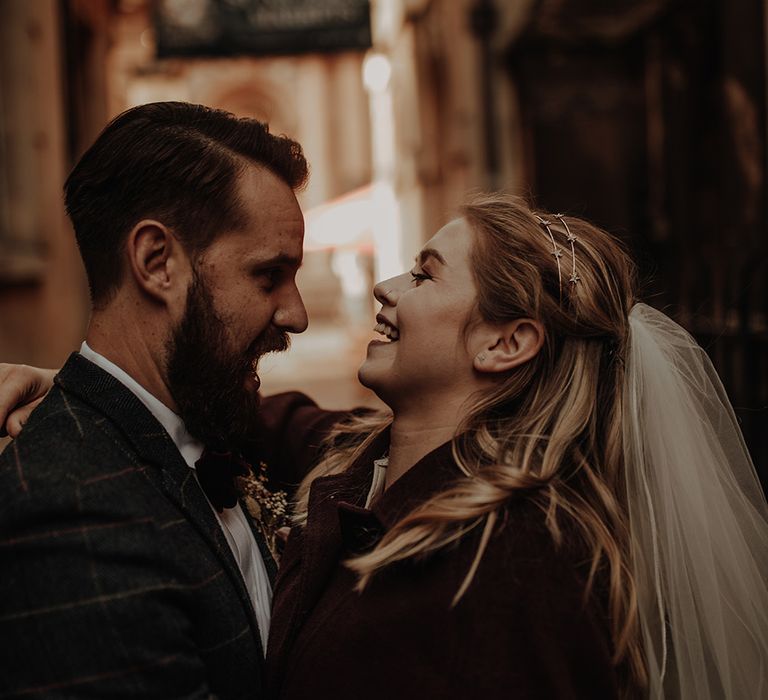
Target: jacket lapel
153, 445
315, 550
335, 504
310, 556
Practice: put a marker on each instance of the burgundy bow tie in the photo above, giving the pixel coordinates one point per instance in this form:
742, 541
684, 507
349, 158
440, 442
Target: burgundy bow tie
216, 472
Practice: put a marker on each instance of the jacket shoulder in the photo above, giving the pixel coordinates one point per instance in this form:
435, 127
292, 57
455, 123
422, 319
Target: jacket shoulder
523, 540
65, 442
529, 595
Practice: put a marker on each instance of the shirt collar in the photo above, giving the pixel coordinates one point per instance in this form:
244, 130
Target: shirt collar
433, 473
190, 448
378, 480
347, 499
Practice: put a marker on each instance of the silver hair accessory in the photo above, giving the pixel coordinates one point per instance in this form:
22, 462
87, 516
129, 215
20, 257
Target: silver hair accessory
574, 278
557, 251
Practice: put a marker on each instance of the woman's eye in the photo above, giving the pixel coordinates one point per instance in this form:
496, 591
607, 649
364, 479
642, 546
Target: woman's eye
420, 276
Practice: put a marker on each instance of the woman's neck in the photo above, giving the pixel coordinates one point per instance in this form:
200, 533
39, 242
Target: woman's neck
411, 438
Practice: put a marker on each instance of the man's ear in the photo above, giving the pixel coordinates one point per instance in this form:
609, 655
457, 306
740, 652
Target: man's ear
157, 260
509, 345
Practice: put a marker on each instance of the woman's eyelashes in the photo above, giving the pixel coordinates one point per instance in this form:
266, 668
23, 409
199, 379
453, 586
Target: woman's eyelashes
420, 276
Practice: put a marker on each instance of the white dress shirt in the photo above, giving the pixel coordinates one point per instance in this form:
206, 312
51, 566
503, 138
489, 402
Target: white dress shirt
377, 480
232, 520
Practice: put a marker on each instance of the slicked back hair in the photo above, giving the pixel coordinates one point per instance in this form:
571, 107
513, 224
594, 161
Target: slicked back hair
174, 162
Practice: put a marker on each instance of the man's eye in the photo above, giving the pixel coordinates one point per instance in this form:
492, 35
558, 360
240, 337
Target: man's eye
267, 278
420, 276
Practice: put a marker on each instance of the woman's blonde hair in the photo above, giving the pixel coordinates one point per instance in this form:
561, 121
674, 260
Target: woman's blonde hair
551, 428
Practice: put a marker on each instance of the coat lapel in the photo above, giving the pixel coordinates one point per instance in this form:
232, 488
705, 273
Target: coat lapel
315, 551
310, 556
335, 509
153, 445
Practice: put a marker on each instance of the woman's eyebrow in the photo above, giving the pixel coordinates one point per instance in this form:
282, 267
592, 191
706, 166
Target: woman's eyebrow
427, 253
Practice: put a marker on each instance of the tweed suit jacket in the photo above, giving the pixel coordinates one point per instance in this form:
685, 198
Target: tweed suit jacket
116, 580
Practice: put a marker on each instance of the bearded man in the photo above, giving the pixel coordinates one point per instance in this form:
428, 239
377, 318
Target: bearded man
121, 576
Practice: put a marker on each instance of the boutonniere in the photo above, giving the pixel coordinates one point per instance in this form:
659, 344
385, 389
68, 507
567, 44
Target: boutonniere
269, 509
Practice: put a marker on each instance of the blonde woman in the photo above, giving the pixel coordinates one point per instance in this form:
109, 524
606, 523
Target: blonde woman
547, 512
558, 505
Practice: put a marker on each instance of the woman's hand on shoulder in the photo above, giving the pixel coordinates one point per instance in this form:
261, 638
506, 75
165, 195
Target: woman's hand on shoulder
21, 388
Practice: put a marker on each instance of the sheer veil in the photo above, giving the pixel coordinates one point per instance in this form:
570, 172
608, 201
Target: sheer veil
698, 521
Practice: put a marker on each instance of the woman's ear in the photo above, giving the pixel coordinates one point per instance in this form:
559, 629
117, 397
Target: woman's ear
157, 260
510, 345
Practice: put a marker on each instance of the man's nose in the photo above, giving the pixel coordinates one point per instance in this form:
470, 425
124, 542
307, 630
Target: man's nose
291, 315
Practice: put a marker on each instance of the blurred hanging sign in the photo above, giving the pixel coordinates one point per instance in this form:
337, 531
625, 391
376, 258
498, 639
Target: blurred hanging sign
260, 27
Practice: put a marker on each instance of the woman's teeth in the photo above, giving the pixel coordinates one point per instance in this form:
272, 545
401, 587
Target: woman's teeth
387, 331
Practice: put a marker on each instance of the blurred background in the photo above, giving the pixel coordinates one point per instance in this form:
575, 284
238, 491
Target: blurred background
646, 116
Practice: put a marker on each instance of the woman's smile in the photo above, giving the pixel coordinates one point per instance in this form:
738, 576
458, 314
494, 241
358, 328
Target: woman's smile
386, 328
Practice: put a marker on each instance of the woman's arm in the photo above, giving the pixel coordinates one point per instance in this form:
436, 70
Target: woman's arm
21, 388
289, 436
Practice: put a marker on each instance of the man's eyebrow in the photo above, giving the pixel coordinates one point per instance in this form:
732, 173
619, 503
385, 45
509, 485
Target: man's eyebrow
276, 261
427, 253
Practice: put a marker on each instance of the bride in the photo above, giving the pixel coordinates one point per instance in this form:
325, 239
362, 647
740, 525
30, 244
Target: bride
559, 503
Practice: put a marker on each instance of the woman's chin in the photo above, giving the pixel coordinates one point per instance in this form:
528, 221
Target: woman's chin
365, 375
372, 377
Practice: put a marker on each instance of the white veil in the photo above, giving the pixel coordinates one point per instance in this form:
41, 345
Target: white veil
698, 521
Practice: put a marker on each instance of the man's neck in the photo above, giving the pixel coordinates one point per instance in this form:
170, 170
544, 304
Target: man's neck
136, 354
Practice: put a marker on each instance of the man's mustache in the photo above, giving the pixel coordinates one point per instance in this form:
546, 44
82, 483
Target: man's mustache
271, 340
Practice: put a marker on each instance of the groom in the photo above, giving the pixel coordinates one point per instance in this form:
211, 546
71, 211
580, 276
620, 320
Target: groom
119, 575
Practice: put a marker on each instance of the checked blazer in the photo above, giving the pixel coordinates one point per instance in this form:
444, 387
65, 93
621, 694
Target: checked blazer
116, 580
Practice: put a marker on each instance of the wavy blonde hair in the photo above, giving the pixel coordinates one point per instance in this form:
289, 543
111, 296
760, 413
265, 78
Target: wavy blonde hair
551, 428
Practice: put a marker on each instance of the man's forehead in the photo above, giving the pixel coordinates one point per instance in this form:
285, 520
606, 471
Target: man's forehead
262, 241
269, 203
258, 181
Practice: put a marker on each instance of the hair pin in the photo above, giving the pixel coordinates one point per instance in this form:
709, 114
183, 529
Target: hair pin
557, 252
574, 278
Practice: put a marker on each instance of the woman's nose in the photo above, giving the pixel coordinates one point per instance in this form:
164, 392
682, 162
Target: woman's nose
385, 292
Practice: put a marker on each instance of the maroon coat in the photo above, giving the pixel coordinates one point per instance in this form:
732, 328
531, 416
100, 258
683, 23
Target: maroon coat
520, 631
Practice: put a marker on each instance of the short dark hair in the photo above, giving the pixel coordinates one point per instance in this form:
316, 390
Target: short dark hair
174, 162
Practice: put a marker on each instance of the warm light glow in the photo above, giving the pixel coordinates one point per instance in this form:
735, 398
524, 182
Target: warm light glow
345, 221
346, 266
185, 13
377, 70
387, 232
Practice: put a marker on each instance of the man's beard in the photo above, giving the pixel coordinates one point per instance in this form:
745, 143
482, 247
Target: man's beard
207, 379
